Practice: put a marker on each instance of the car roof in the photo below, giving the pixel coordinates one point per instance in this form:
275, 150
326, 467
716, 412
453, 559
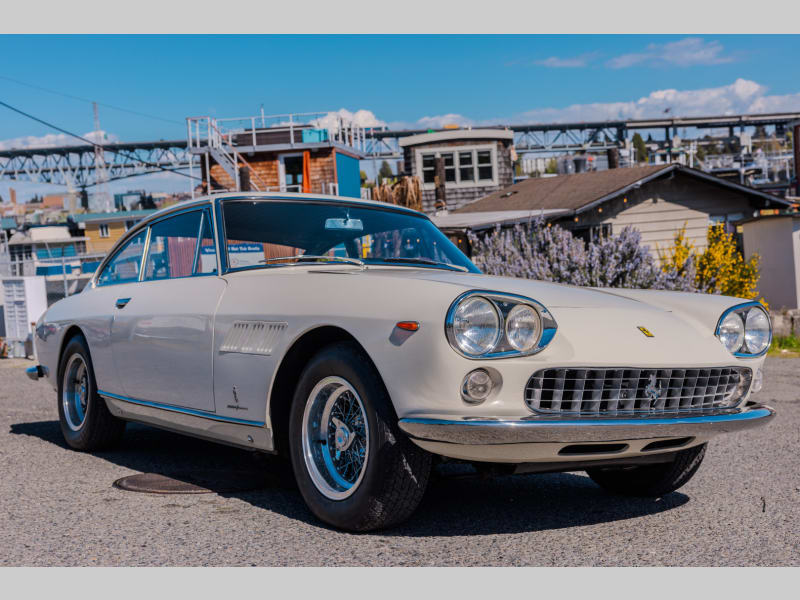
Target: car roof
289, 196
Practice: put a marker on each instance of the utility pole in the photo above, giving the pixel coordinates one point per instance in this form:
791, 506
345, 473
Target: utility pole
100, 164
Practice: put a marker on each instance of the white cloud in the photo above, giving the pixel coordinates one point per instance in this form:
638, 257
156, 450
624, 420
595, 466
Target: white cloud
359, 118
559, 62
688, 52
52, 140
741, 97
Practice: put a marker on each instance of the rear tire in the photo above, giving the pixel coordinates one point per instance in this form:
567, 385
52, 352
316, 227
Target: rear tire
86, 422
650, 481
355, 469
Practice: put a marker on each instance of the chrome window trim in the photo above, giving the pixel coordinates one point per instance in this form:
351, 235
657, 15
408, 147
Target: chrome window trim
144, 253
545, 337
146, 222
740, 307
198, 243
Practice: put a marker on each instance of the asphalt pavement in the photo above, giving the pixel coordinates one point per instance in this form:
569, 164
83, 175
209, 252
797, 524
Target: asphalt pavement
59, 507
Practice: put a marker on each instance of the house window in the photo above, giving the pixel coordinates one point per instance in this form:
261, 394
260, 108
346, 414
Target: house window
485, 171
129, 224
449, 168
465, 166
104, 230
428, 168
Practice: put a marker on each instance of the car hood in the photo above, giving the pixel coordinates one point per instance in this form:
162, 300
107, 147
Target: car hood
552, 295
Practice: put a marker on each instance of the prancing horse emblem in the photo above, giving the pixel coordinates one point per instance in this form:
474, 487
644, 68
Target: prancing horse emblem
645, 331
653, 390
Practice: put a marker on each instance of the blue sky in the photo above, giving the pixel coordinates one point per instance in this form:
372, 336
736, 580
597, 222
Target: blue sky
403, 81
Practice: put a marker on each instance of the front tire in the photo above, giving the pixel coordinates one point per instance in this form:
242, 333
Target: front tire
355, 469
650, 481
86, 422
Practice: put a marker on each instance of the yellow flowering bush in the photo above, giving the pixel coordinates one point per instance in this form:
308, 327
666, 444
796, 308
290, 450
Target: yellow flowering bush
719, 269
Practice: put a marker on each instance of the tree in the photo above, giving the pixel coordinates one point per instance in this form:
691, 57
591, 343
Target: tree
385, 172
363, 176
640, 148
552, 166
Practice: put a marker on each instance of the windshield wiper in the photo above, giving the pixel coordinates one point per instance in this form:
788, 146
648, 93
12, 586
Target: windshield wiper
312, 257
423, 261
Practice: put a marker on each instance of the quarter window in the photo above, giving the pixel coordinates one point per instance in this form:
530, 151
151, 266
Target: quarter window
124, 267
173, 247
207, 254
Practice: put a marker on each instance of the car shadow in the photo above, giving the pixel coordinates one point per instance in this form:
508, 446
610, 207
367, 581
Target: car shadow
457, 502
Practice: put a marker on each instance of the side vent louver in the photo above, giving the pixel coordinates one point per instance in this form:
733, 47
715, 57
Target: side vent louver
253, 337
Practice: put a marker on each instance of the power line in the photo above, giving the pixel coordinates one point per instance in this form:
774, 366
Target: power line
127, 110
95, 144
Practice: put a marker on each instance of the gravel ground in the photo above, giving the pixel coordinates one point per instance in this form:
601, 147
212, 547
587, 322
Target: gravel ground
58, 507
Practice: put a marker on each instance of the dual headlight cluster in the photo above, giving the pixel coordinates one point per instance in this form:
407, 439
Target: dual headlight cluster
745, 330
494, 325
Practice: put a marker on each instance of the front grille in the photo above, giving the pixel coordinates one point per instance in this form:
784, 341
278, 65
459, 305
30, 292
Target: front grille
629, 391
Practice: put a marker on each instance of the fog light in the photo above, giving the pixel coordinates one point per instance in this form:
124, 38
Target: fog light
477, 386
758, 381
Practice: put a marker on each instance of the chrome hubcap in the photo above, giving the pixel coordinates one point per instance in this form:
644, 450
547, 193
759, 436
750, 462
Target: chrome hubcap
335, 438
75, 394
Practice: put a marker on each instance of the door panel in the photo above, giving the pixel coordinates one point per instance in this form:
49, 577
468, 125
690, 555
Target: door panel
163, 339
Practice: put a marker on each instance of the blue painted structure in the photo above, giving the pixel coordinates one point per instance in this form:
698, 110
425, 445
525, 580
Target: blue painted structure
348, 175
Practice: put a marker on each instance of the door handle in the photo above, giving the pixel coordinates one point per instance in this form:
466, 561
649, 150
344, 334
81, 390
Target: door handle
122, 302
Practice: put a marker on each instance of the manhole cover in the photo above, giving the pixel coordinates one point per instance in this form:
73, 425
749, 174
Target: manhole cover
204, 482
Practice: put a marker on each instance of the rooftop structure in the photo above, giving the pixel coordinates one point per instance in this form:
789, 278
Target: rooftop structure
308, 152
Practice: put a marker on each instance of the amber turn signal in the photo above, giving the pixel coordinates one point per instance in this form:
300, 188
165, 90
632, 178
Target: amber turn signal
408, 325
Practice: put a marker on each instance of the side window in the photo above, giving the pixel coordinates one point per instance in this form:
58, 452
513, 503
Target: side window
173, 245
207, 256
124, 267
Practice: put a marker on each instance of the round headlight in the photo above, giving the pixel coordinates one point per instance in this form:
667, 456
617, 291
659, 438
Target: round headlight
756, 331
731, 332
476, 326
523, 327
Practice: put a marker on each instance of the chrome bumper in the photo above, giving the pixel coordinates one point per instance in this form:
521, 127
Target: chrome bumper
35, 373
526, 430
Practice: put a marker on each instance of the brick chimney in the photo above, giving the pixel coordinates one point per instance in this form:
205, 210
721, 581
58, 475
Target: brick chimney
13, 193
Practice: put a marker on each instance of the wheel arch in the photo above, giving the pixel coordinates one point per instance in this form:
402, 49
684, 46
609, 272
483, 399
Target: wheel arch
294, 361
71, 332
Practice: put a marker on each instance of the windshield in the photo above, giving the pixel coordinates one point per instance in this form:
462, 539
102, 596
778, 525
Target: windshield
269, 234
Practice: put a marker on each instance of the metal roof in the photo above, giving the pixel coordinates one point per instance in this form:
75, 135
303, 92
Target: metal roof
456, 134
581, 191
486, 220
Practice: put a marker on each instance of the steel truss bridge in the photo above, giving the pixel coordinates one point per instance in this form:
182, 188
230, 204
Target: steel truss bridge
598, 136
78, 166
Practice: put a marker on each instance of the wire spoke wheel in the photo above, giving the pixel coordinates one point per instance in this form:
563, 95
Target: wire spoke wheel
75, 394
335, 438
